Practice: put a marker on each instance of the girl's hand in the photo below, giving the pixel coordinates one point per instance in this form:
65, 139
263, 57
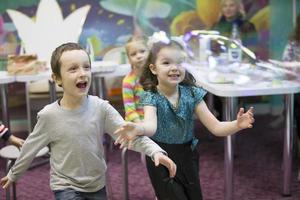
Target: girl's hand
245, 120
160, 158
127, 133
18, 142
5, 182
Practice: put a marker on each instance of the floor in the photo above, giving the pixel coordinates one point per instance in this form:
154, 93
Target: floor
257, 175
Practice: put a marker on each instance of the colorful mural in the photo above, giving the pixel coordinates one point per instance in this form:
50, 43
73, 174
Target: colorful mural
111, 22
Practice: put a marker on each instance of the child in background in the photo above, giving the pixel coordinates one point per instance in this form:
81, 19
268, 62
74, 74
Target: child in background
7, 136
73, 127
170, 101
137, 52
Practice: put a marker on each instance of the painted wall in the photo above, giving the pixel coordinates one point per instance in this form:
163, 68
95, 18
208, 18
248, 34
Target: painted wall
111, 22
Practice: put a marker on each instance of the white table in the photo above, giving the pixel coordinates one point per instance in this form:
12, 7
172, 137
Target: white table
255, 87
4, 80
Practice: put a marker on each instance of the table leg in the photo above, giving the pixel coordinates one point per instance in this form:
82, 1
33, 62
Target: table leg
125, 173
288, 144
102, 92
228, 150
4, 105
98, 86
52, 91
93, 89
28, 107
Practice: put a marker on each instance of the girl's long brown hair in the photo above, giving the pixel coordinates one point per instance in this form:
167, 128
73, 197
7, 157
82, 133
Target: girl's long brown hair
148, 80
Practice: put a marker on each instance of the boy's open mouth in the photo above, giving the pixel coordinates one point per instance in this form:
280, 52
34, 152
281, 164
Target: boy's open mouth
81, 85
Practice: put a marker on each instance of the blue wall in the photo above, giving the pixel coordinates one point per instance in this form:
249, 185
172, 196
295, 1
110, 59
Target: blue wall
281, 25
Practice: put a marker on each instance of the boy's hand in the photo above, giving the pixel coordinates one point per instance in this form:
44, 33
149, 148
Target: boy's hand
245, 120
18, 142
127, 133
160, 158
5, 182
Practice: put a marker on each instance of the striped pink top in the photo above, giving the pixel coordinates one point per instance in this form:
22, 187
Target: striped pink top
132, 91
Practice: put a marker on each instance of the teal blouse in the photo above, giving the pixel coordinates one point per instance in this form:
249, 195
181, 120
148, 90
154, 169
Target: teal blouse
175, 126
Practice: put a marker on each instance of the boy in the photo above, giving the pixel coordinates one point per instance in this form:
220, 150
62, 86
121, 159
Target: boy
73, 127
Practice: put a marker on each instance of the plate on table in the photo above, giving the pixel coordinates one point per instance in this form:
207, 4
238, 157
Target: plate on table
227, 78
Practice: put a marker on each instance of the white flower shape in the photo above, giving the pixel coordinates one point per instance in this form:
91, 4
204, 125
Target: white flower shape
49, 29
160, 36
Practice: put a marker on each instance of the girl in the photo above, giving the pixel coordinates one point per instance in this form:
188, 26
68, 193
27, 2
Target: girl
232, 12
170, 101
137, 52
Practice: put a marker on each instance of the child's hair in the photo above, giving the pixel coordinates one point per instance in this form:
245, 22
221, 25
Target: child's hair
136, 38
148, 80
57, 53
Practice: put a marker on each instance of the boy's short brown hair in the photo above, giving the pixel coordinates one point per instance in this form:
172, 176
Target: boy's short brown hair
57, 53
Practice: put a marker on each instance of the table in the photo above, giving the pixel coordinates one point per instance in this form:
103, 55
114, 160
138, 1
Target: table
4, 80
255, 88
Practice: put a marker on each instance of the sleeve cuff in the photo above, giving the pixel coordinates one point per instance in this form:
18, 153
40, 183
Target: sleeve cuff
11, 177
163, 152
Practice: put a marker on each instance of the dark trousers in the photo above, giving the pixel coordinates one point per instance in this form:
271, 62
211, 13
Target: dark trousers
186, 184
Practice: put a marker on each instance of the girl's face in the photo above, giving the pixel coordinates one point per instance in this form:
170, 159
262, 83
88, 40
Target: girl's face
168, 66
75, 73
230, 9
137, 54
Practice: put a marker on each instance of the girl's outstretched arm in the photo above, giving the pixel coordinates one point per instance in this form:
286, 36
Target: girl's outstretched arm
129, 131
244, 120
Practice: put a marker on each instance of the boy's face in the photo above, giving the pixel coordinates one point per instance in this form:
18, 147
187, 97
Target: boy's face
137, 53
75, 73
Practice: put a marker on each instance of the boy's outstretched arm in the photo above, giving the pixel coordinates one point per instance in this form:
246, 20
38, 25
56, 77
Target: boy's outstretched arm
5, 182
128, 133
160, 158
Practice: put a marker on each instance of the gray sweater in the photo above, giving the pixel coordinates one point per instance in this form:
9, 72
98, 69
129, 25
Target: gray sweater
75, 140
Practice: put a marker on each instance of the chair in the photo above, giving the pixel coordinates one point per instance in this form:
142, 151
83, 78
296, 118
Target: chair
113, 86
11, 153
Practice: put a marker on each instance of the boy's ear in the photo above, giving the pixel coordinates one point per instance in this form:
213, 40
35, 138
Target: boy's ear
152, 69
57, 80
